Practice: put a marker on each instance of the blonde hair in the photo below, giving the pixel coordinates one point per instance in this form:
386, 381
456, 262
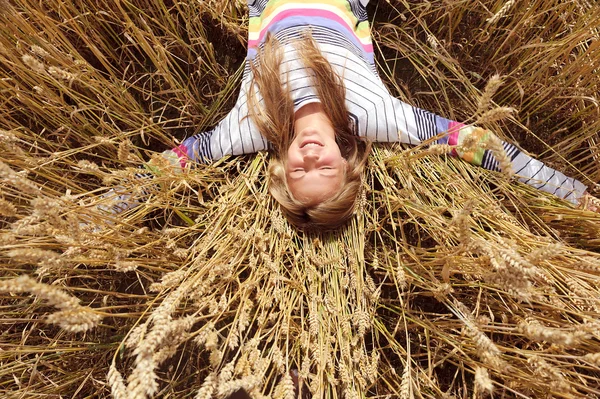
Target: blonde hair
275, 121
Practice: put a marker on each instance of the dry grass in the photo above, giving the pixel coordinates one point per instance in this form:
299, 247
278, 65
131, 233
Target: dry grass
450, 282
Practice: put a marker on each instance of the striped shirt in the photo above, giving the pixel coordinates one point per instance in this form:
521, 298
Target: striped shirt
341, 30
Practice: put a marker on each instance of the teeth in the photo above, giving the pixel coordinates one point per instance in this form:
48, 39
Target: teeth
311, 145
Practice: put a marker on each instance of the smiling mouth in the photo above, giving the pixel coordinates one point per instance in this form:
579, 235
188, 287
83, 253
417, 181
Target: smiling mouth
311, 143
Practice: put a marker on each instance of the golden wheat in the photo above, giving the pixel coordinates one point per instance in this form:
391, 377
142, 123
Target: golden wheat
203, 288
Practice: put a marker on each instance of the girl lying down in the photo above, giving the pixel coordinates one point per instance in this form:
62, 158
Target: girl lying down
311, 95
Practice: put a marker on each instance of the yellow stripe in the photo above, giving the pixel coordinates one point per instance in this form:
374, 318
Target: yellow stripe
340, 4
363, 32
257, 24
268, 15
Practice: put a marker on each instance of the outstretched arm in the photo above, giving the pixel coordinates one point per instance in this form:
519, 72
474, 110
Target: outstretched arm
194, 149
383, 118
482, 148
236, 134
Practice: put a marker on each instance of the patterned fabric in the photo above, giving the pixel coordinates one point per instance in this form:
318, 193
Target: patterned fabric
529, 170
342, 32
334, 15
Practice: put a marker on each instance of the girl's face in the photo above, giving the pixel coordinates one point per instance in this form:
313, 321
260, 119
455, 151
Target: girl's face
314, 166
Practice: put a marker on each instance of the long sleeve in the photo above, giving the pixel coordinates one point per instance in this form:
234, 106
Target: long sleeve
235, 134
424, 125
193, 149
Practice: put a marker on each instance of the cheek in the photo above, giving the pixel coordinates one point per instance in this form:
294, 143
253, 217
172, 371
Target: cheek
293, 158
336, 152
289, 154
334, 158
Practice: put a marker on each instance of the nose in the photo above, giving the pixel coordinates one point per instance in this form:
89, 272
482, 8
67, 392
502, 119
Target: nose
310, 158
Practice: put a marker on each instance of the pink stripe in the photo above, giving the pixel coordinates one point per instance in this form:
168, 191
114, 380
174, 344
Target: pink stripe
307, 13
453, 130
181, 152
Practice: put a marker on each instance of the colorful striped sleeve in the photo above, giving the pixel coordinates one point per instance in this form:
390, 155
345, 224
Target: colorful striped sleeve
426, 125
196, 148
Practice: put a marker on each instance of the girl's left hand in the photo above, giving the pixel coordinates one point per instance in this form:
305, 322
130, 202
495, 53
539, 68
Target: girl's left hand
589, 202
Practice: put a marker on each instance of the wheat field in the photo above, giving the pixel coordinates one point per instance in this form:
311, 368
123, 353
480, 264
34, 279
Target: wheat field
449, 282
